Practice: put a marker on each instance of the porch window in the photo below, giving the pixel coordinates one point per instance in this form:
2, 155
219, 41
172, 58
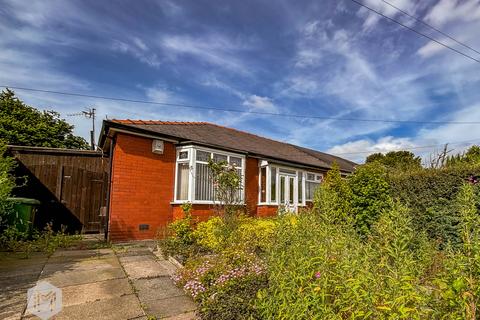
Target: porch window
311, 184
279, 184
194, 180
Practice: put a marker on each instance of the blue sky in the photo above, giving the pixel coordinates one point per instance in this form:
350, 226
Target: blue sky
323, 58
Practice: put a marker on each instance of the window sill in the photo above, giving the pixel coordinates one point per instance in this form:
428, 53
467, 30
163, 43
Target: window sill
201, 202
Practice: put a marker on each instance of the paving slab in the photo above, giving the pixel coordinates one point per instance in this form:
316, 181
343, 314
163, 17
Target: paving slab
73, 255
169, 307
133, 251
12, 303
84, 264
156, 288
90, 292
125, 307
18, 282
145, 266
76, 277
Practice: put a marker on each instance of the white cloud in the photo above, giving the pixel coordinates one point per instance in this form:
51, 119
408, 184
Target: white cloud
446, 11
372, 18
215, 49
260, 103
137, 48
359, 149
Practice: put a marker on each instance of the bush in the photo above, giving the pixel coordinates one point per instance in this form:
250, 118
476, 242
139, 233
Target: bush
7, 183
224, 285
253, 234
211, 234
429, 193
370, 195
323, 270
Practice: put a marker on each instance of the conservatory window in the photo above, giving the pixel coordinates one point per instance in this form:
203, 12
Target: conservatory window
312, 182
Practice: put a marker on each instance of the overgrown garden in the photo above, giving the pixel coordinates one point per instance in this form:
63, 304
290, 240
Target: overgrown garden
390, 241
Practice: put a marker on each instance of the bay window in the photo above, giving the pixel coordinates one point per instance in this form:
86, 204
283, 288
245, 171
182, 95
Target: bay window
194, 181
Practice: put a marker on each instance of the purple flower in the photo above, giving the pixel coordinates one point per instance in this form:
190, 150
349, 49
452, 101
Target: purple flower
318, 274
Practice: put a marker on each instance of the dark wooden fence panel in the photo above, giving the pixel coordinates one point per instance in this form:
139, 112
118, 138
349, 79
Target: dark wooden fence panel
71, 184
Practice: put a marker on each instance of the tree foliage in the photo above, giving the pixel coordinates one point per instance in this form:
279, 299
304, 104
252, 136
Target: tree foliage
401, 160
23, 125
471, 156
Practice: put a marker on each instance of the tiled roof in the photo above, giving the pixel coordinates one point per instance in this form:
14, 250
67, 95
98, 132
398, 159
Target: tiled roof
223, 137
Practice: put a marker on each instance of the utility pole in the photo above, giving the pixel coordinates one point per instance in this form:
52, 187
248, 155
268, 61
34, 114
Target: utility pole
89, 113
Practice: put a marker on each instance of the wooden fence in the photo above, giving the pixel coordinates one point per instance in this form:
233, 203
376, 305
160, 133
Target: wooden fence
71, 184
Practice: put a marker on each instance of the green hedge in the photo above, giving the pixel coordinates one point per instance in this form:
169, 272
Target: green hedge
429, 194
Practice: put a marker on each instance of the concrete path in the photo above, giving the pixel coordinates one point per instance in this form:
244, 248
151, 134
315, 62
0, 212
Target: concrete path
127, 282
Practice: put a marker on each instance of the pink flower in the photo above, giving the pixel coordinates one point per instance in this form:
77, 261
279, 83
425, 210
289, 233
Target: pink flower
318, 274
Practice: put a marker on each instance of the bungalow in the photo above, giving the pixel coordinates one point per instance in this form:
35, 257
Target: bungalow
156, 166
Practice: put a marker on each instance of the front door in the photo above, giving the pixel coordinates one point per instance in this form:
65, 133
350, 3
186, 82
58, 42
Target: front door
287, 192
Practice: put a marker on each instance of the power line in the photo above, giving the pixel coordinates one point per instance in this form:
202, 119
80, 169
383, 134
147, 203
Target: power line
431, 27
416, 31
178, 105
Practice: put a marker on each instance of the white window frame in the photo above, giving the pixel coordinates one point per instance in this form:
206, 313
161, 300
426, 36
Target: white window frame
192, 160
315, 176
296, 175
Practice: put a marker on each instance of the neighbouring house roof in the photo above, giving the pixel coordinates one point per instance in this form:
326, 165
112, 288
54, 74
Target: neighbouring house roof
209, 134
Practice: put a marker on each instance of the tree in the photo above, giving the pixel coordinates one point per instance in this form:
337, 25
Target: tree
23, 125
396, 160
472, 156
227, 185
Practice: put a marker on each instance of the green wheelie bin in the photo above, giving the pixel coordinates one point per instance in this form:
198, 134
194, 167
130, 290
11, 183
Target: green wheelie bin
24, 210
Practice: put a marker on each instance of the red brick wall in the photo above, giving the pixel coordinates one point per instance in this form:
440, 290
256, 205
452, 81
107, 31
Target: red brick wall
251, 185
267, 211
142, 188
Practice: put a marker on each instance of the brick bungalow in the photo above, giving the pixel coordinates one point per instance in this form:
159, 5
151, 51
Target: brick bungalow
157, 165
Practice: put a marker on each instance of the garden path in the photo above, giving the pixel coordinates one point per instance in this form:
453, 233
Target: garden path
124, 282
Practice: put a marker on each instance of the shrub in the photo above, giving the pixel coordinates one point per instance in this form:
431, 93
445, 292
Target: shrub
333, 198
224, 284
370, 195
253, 234
429, 194
211, 234
180, 243
318, 269
7, 183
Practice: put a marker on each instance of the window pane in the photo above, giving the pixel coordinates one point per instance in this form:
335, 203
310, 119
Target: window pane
273, 184
182, 181
310, 188
203, 183
291, 188
240, 193
219, 157
237, 162
287, 171
183, 155
263, 184
300, 187
282, 189
203, 156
